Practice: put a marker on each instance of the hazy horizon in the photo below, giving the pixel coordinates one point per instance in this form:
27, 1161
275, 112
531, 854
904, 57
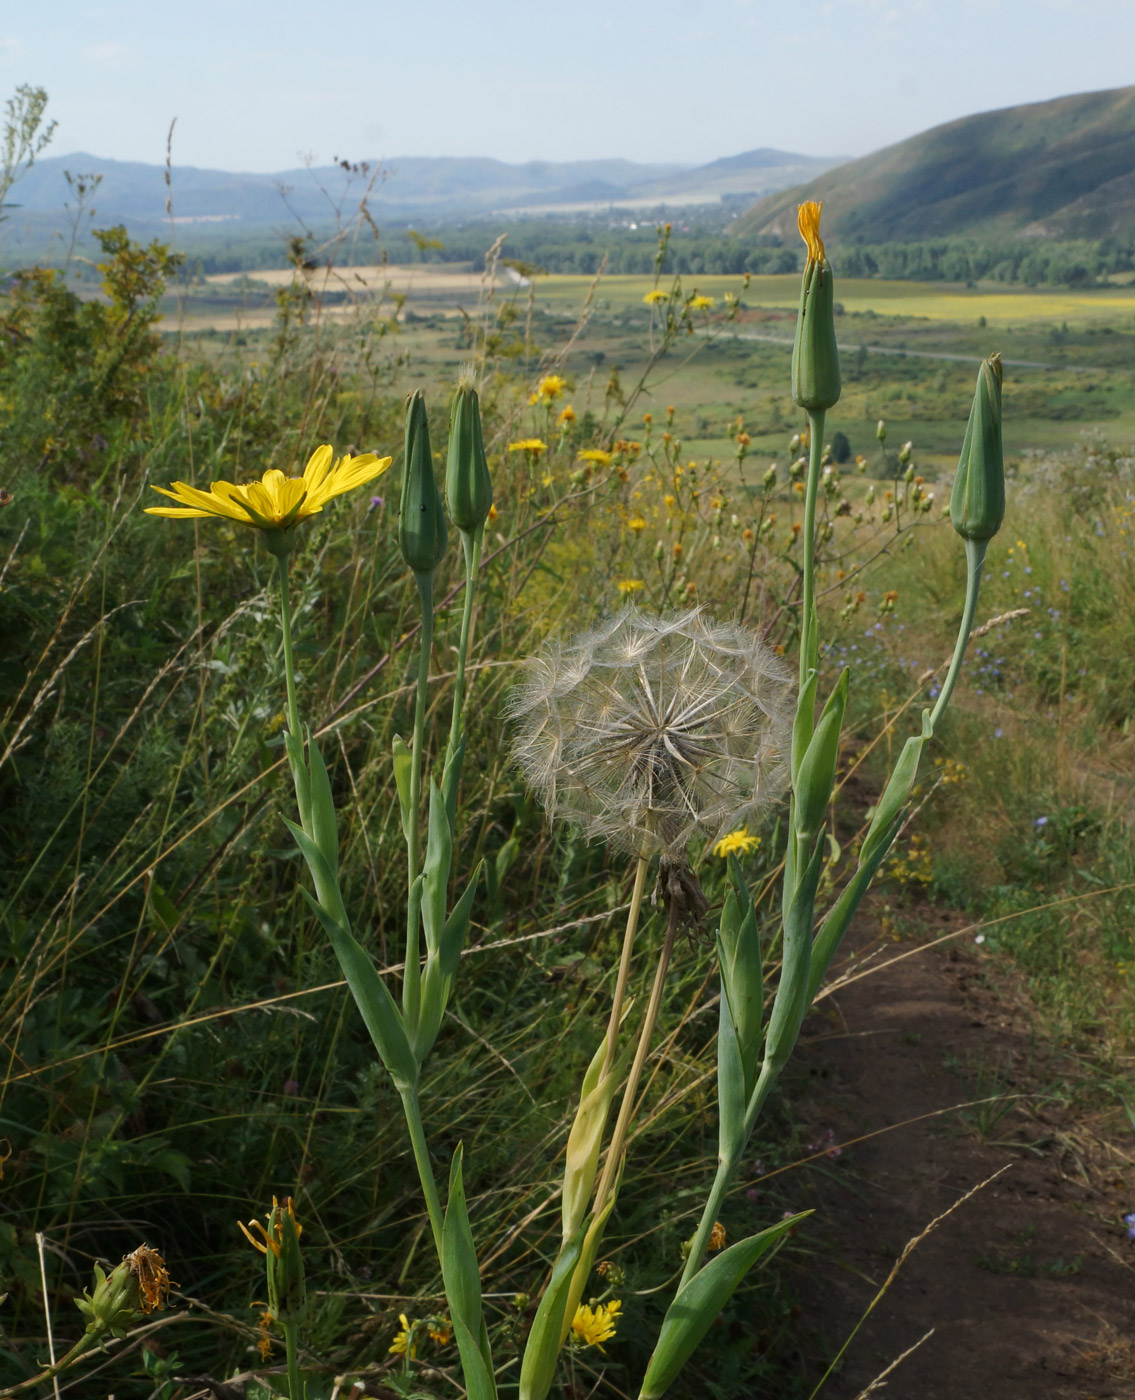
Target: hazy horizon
257, 86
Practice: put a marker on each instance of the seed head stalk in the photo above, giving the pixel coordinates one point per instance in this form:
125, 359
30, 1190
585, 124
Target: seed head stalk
626, 1108
412, 973
296, 1389
624, 965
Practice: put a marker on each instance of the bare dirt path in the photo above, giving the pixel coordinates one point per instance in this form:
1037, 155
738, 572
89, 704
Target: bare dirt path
1030, 1285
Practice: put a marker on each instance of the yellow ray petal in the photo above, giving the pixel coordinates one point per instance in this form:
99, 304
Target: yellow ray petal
318, 465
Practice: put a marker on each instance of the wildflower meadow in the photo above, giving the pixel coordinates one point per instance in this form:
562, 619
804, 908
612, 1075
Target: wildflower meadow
434, 803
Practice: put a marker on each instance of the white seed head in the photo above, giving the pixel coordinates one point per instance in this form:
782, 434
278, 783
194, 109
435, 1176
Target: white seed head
649, 731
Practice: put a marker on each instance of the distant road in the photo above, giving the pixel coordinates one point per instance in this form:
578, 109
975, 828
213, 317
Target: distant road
909, 354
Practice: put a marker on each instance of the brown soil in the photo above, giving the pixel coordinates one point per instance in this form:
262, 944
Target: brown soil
1029, 1285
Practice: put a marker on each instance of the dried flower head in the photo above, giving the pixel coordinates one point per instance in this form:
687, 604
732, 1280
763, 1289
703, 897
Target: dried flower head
649, 731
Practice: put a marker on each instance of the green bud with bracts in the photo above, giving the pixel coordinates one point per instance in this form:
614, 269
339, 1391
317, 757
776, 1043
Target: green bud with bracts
977, 502
422, 535
468, 486
815, 358
279, 1242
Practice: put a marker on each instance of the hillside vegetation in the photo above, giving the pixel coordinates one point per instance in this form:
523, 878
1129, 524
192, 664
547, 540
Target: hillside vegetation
1059, 169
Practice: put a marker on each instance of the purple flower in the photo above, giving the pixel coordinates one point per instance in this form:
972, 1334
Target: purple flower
291, 1087
752, 1194
1040, 821
375, 504
1129, 1221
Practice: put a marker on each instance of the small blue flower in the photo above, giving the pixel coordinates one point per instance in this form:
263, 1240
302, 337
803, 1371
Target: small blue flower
1040, 821
1129, 1221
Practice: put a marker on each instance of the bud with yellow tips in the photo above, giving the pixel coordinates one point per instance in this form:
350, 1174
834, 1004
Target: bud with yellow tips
815, 358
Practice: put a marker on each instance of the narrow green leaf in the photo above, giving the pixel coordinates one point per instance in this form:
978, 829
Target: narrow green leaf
403, 766
732, 1097
450, 781
897, 791
326, 883
816, 773
300, 778
805, 723
836, 920
376, 1006
743, 976
439, 853
542, 1350
324, 826
693, 1311
585, 1140
463, 1289
452, 939
791, 1003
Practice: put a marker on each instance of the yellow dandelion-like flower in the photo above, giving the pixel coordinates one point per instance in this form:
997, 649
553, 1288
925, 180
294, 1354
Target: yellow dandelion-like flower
654, 297
700, 303
630, 585
405, 1343
533, 445
276, 501
596, 455
668, 501
550, 387
737, 842
591, 1327
494, 514
567, 414
808, 222
637, 524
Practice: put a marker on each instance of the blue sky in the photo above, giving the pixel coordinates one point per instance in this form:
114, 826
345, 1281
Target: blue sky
256, 85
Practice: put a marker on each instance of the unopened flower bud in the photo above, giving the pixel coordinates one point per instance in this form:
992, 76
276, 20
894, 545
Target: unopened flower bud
422, 535
468, 485
977, 502
794, 443
770, 476
881, 430
815, 357
905, 452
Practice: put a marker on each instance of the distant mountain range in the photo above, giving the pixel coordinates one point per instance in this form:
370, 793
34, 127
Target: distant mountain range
1059, 169
409, 187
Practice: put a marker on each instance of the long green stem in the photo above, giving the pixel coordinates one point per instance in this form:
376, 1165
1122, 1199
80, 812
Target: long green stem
291, 1348
624, 966
626, 1108
726, 1166
472, 545
808, 638
975, 561
413, 1111
289, 658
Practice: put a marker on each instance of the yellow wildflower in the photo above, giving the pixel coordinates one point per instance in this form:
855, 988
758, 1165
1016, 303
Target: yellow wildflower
736, 843
668, 501
533, 445
549, 388
654, 297
440, 1330
808, 222
276, 501
700, 303
591, 1327
405, 1343
637, 524
596, 455
630, 585
271, 1241
716, 1237
567, 414
264, 1336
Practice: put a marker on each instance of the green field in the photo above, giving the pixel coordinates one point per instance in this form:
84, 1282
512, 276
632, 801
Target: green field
908, 350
